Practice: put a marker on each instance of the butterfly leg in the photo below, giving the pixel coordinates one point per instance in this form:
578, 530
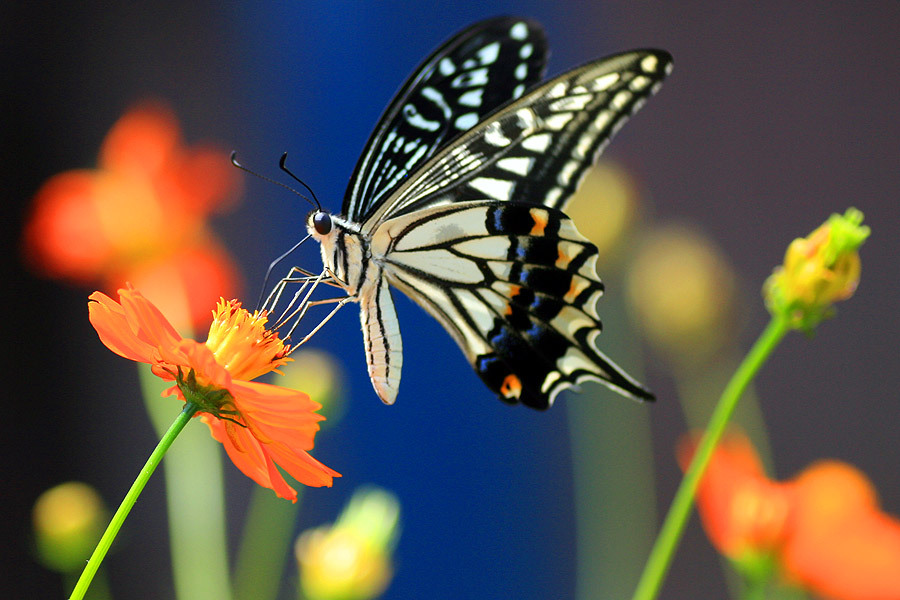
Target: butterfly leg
340, 302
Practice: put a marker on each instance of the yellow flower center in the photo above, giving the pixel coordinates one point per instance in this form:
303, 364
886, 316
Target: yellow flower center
241, 343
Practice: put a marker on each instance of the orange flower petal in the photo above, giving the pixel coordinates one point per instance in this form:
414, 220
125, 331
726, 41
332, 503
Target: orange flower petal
303, 467
251, 458
142, 141
135, 329
841, 544
279, 414
200, 358
63, 236
741, 509
108, 318
830, 490
146, 321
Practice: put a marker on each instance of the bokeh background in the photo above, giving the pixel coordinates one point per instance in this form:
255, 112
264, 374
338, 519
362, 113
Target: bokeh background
777, 114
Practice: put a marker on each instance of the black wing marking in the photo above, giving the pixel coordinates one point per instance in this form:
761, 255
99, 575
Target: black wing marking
516, 286
473, 73
537, 148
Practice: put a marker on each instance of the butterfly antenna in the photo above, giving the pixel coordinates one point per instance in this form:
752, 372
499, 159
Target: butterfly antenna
270, 180
284, 168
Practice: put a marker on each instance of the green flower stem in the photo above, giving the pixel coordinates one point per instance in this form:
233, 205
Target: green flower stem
265, 545
664, 549
130, 498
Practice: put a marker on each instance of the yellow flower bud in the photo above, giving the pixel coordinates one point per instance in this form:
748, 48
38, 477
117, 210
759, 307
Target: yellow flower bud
68, 521
818, 271
351, 560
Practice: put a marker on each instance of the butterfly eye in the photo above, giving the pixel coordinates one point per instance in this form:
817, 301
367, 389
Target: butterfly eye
322, 223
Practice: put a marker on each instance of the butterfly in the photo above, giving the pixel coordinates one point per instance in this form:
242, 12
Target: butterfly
457, 202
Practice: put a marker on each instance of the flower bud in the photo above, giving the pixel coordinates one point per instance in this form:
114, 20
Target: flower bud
818, 270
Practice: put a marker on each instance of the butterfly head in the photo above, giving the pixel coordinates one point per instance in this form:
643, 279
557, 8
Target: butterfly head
319, 223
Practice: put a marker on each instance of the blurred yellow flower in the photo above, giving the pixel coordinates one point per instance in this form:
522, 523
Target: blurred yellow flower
818, 271
68, 521
681, 290
605, 207
351, 560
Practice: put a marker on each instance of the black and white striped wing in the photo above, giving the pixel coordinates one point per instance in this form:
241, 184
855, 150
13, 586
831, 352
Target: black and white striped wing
515, 285
472, 74
537, 148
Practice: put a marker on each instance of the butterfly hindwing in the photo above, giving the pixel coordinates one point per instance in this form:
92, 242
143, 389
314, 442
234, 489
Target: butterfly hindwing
469, 76
515, 285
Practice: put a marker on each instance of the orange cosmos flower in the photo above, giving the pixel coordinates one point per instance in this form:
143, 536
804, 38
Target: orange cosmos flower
139, 217
824, 529
260, 425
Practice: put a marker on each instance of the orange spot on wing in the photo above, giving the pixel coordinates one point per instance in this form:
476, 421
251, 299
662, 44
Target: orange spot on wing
576, 287
511, 386
540, 221
562, 262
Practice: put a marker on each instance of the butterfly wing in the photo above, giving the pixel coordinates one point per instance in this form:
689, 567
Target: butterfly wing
477, 238
473, 73
537, 148
515, 284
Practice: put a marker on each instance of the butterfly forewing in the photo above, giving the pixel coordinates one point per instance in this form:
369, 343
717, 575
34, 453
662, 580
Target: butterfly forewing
469, 76
537, 148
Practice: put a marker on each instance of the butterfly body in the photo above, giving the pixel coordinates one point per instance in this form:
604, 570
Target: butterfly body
457, 202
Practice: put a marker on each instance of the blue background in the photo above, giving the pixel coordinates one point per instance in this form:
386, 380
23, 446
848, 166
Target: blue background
774, 117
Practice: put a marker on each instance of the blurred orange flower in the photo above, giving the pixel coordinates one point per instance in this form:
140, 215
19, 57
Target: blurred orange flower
840, 543
139, 217
744, 513
824, 528
260, 425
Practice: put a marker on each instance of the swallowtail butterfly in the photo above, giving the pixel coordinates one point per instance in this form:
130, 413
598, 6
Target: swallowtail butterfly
457, 202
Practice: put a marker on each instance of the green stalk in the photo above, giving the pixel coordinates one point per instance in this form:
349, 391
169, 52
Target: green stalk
130, 498
664, 549
265, 546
